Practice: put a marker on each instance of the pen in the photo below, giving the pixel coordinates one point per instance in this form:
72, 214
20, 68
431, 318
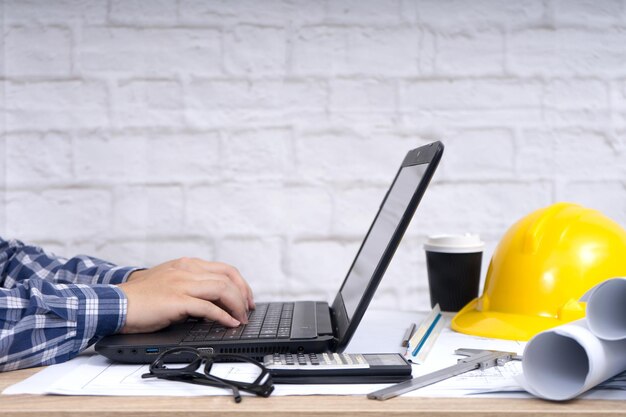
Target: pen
408, 334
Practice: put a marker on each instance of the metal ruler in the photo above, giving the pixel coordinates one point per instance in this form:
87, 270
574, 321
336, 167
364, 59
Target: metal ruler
476, 359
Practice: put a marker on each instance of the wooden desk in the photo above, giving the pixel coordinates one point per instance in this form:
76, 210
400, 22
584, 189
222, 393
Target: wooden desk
323, 406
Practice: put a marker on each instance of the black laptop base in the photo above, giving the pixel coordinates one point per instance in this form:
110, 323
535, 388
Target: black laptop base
127, 350
214, 338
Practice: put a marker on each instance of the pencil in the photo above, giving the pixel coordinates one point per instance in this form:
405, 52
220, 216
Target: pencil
408, 334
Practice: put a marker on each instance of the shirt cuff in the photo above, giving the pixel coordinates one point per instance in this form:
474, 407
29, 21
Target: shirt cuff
101, 312
117, 275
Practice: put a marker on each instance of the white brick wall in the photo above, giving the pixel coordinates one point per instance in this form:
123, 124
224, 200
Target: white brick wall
264, 134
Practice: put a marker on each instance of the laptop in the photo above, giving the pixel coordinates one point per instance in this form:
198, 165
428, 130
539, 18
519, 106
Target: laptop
302, 326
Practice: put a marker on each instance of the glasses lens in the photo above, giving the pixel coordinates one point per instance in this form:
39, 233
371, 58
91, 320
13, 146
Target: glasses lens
239, 372
177, 360
245, 373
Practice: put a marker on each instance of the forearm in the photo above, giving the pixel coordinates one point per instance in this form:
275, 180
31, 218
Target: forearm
47, 323
19, 262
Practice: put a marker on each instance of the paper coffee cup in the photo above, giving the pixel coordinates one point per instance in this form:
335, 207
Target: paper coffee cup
453, 263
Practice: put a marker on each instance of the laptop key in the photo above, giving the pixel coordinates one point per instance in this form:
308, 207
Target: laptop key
216, 334
233, 332
211, 336
202, 327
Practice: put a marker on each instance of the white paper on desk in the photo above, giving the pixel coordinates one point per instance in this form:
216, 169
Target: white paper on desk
473, 382
100, 378
562, 363
39, 383
96, 375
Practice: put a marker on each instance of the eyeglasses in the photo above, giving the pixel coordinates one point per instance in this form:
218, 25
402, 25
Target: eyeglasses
168, 366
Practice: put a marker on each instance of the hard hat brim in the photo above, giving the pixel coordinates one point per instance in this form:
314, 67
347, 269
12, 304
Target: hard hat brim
498, 325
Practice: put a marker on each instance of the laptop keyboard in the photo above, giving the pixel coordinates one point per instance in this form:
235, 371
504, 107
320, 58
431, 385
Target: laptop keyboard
266, 321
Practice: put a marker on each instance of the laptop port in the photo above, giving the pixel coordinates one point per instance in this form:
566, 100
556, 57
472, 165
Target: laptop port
152, 351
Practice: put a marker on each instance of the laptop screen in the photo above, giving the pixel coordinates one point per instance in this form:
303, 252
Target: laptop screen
380, 235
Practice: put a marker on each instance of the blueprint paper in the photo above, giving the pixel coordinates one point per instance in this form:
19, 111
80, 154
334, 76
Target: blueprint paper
606, 310
568, 360
564, 362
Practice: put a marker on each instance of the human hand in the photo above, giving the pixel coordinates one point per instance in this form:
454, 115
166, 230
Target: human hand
174, 290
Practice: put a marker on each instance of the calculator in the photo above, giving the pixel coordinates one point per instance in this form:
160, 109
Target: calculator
337, 368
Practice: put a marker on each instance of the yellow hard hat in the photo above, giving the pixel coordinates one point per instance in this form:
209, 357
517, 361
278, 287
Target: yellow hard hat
541, 268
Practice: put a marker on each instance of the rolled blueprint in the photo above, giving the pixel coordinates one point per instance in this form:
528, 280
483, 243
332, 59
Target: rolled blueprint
606, 310
562, 363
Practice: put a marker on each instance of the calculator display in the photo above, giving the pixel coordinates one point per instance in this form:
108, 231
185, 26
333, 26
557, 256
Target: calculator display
384, 360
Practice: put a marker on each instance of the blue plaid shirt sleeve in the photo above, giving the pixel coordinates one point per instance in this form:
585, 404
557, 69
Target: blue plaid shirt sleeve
51, 308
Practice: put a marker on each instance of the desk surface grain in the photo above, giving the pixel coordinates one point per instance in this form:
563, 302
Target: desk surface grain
52, 405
